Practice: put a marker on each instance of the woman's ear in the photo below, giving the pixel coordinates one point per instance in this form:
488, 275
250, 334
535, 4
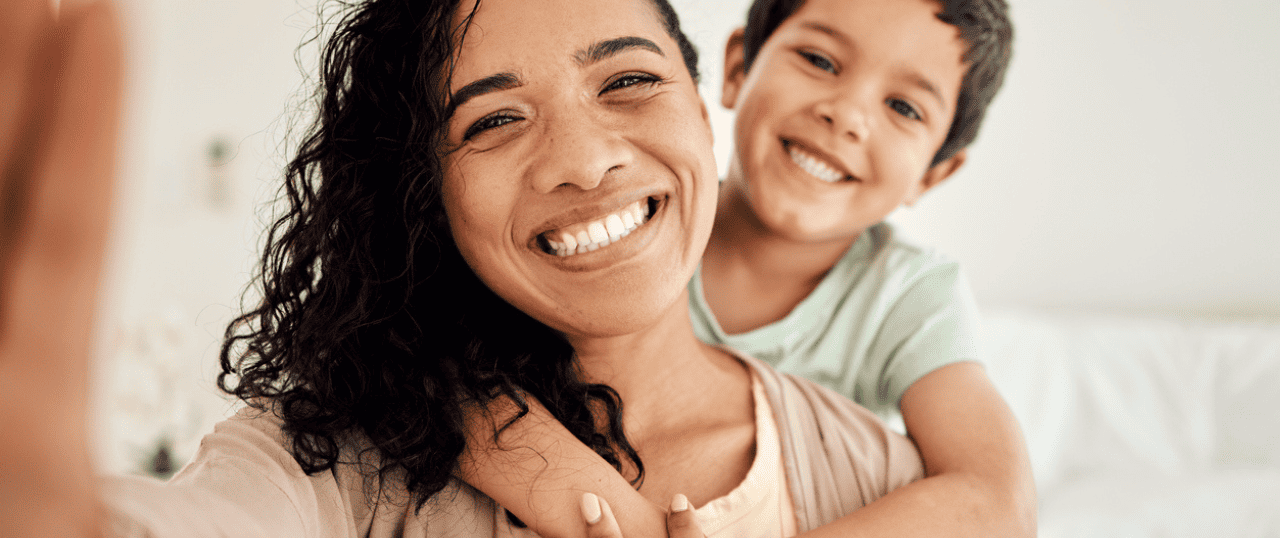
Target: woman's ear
734, 70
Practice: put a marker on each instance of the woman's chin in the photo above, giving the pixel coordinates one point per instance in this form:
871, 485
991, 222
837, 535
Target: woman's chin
630, 310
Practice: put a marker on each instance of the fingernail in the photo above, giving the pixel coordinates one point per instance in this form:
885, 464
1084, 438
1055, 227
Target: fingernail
679, 503
591, 508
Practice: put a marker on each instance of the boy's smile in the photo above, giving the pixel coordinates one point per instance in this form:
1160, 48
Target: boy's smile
841, 113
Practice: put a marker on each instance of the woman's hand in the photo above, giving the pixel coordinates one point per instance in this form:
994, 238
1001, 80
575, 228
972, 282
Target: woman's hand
61, 85
681, 521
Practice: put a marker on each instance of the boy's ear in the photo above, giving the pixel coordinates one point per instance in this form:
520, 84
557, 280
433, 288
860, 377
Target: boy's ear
936, 174
734, 70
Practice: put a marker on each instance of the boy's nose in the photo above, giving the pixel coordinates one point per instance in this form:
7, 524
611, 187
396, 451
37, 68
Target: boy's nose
578, 150
847, 114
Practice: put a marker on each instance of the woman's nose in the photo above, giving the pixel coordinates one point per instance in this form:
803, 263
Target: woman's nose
847, 113
579, 149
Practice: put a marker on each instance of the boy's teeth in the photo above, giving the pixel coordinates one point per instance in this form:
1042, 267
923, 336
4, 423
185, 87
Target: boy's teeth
814, 166
586, 237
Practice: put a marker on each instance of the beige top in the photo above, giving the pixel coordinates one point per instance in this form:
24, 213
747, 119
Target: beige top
761, 504
244, 483
759, 507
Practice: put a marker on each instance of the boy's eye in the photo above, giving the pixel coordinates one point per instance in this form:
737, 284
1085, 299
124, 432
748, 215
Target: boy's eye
628, 80
818, 60
904, 108
489, 122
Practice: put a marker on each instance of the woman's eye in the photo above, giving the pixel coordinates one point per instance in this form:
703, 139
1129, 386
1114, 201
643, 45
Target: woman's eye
631, 79
904, 108
489, 122
818, 60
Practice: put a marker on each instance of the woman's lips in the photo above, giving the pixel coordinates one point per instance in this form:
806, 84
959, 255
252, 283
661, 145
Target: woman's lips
592, 235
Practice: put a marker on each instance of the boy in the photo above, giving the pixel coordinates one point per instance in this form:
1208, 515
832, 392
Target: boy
846, 109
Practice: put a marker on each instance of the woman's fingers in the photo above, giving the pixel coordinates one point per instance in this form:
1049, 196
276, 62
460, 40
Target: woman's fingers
599, 518
682, 522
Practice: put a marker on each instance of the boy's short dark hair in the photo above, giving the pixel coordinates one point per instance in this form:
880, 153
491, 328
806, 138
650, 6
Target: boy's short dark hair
984, 26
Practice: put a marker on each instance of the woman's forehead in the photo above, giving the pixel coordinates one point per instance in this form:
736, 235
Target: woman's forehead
518, 34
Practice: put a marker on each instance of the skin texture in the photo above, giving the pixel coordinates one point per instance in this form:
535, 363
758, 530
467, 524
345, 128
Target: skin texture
842, 79
57, 141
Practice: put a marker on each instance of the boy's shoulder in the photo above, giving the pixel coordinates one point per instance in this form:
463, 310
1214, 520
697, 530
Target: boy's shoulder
893, 255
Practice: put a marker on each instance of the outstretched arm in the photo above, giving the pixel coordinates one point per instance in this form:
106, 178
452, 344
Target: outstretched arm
539, 471
978, 478
61, 85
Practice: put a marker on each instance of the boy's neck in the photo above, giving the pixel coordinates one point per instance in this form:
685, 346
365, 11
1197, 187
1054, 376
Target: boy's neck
744, 258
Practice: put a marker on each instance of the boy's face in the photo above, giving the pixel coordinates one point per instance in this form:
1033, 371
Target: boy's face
841, 114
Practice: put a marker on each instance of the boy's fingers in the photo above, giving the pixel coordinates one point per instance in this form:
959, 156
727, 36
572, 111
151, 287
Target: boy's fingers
599, 517
682, 522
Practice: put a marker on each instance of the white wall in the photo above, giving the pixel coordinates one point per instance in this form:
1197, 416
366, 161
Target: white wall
200, 71
1125, 167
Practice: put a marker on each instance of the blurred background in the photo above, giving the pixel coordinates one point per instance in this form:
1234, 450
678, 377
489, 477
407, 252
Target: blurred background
1126, 169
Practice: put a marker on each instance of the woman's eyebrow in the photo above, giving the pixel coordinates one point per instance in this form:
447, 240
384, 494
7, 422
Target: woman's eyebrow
611, 47
489, 84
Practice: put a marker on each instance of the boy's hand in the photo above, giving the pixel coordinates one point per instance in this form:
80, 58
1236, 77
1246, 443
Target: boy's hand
681, 521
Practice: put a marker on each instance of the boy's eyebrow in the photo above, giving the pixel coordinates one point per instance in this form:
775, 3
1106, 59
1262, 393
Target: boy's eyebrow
925, 84
611, 47
834, 33
489, 84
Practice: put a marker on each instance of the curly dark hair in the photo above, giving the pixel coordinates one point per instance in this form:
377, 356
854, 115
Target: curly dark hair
984, 26
371, 328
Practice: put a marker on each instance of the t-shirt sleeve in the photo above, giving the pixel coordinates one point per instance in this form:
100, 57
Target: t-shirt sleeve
932, 324
242, 482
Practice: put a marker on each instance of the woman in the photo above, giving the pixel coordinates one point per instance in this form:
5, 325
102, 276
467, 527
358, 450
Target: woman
501, 200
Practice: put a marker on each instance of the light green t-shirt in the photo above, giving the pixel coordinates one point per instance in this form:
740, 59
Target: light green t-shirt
887, 314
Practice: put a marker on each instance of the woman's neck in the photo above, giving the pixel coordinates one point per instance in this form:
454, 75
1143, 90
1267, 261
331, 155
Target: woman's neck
657, 367
687, 407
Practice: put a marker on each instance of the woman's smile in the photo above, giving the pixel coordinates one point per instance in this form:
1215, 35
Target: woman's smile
590, 236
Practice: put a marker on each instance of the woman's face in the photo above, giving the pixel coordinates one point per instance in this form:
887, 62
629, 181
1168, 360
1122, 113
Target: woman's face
579, 179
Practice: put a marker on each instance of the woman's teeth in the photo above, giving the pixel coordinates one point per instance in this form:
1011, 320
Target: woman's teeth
588, 236
814, 166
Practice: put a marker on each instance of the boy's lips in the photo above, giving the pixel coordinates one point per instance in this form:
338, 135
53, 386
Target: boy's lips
595, 233
816, 163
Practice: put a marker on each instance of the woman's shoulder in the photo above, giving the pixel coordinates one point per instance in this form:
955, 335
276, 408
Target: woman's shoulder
244, 480
839, 455
802, 403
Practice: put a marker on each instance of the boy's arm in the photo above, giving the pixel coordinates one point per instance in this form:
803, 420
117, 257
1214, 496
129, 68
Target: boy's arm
978, 478
540, 471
